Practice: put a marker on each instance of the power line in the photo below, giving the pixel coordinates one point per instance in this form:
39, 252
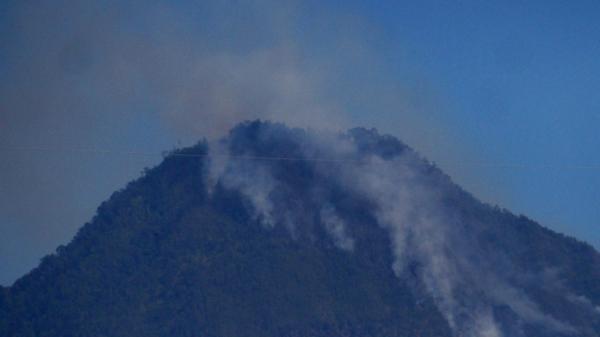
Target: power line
174, 154
280, 158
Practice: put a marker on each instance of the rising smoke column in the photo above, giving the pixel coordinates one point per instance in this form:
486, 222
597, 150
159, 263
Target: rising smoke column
430, 240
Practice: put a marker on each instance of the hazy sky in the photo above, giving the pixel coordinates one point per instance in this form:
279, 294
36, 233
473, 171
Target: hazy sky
501, 95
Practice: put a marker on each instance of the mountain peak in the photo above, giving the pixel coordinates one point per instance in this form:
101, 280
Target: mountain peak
277, 231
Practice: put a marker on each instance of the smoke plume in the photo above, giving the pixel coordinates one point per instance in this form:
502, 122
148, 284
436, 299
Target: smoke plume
430, 240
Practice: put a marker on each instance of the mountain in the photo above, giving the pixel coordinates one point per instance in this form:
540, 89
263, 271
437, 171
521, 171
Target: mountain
283, 232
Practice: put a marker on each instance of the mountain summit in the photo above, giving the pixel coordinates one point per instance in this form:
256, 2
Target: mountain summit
275, 231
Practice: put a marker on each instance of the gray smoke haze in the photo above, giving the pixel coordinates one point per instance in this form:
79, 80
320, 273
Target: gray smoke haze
430, 240
201, 71
138, 76
422, 227
142, 76
336, 227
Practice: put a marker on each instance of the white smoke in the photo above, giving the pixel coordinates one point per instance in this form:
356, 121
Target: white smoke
251, 179
143, 75
410, 206
336, 227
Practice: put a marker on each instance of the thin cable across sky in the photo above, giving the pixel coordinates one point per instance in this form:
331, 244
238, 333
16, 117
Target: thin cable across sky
591, 166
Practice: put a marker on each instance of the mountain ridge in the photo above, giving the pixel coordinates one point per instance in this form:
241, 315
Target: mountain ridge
378, 243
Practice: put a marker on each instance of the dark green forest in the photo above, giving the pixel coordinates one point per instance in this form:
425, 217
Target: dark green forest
177, 253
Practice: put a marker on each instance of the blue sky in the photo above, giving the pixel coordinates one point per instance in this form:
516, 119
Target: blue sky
519, 81
502, 95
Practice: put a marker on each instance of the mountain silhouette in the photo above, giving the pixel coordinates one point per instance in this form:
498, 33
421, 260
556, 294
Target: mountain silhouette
278, 231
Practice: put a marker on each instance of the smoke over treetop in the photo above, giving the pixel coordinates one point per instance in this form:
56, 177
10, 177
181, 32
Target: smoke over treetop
308, 233
126, 77
432, 234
